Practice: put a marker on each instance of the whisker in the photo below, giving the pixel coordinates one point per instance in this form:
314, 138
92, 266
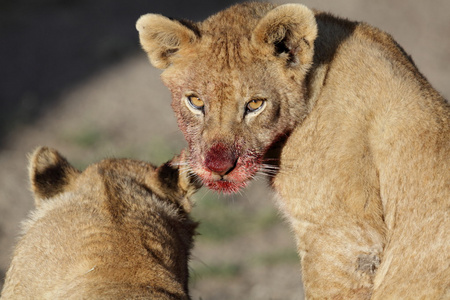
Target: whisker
265, 175
178, 164
268, 166
269, 170
208, 191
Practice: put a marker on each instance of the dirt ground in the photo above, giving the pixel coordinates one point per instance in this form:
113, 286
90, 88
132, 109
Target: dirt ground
72, 77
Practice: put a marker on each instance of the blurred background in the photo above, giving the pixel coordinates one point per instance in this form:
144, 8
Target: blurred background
73, 77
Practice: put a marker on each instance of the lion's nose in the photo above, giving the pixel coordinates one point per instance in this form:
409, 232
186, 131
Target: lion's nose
220, 167
220, 160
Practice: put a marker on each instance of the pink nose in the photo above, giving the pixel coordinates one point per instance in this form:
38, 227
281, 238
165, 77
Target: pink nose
220, 160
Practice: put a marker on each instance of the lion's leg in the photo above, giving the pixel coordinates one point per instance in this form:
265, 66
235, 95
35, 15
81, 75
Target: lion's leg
340, 262
416, 260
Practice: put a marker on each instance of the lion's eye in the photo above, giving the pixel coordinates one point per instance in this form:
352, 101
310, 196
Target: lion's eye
254, 105
196, 102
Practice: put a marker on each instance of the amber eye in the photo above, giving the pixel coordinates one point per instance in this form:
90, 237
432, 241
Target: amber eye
254, 105
196, 102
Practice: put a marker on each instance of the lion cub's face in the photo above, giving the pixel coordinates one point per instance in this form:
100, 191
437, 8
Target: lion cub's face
236, 81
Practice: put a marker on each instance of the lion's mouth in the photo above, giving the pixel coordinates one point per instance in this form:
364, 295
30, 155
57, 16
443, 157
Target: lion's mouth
224, 168
231, 182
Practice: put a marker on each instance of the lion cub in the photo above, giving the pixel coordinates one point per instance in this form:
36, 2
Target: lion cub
355, 139
118, 230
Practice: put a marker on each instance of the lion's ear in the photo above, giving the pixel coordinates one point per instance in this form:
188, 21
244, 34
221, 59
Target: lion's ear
49, 173
289, 31
162, 37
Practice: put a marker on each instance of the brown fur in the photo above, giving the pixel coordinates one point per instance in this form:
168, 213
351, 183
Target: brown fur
355, 139
118, 230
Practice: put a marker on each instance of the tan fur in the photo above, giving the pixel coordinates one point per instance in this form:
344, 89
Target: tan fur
355, 139
118, 230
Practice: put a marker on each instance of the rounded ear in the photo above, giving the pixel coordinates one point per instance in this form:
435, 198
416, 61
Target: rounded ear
289, 31
173, 181
49, 173
162, 37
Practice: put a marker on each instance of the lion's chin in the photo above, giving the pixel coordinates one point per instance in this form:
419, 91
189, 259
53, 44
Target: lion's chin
224, 186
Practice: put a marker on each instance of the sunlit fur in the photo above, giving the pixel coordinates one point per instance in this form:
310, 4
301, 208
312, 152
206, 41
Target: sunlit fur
354, 139
240, 45
118, 230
